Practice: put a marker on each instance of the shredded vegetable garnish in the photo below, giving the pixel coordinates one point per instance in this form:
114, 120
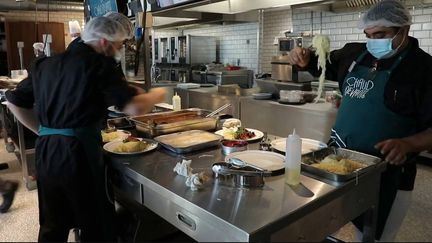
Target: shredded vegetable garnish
321, 44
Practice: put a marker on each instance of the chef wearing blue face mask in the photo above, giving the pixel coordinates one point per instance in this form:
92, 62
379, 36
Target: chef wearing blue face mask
386, 108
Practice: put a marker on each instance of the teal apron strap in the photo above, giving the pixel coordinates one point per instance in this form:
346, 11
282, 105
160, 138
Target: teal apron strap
46, 131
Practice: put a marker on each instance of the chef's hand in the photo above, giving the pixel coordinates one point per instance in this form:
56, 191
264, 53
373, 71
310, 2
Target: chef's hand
299, 56
138, 89
395, 150
158, 95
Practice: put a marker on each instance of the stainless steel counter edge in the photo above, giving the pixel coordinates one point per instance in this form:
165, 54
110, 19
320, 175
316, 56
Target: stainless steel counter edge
237, 214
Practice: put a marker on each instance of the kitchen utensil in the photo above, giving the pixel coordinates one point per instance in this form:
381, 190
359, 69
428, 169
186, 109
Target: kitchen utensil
218, 110
188, 141
317, 156
265, 160
174, 121
240, 177
308, 145
262, 96
233, 146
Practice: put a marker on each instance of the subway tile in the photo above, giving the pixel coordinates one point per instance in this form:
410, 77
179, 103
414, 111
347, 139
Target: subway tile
352, 37
422, 18
421, 34
427, 26
426, 42
416, 27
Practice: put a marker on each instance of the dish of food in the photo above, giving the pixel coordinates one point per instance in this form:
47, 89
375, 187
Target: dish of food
232, 130
308, 145
114, 135
131, 146
240, 133
338, 165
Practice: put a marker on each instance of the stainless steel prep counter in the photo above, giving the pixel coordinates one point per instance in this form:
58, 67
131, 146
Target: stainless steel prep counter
277, 212
311, 120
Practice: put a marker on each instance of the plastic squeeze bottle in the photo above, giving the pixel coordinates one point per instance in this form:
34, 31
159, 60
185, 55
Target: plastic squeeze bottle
293, 159
176, 101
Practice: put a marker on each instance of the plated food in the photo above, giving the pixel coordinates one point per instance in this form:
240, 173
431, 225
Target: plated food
233, 130
131, 145
337, 165
114, 135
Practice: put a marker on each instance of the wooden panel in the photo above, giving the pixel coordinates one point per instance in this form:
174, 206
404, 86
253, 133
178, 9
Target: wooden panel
29, 33
57, 32
19, 31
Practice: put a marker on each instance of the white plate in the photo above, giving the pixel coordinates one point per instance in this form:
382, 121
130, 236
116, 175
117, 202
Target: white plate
308, 145
122, 135
263, 159
258, 134
114, 144
113, 109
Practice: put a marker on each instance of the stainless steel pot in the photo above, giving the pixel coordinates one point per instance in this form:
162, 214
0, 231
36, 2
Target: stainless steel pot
239, 176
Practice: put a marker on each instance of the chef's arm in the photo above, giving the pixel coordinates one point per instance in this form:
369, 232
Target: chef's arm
144, 103
396, 150
27, 117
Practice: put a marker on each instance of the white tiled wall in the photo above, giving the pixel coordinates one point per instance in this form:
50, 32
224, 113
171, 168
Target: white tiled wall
342, 27
274, 24
235, 41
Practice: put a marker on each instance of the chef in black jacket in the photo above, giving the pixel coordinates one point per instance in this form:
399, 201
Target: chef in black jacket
386, 108
70, 93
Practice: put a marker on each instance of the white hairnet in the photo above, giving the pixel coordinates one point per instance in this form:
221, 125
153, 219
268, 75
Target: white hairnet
103, 27
38, 46
123, 20
74, 27
387, 13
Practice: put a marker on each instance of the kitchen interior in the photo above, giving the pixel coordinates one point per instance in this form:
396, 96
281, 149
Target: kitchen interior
230, 57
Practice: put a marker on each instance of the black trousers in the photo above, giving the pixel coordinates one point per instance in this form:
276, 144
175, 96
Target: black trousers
70, 194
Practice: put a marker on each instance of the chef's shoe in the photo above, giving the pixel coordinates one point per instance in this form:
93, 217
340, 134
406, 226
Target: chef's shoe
8, 196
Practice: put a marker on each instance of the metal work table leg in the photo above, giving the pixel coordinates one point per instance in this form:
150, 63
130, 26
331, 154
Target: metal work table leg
28, 179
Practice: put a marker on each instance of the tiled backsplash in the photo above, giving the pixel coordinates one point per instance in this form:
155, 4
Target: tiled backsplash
342, 27
236, 41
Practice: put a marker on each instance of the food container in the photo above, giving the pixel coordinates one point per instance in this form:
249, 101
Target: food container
317, 156
232, 175
333, 97
291, 95
189, 141
230, 146
309, 96
174, 121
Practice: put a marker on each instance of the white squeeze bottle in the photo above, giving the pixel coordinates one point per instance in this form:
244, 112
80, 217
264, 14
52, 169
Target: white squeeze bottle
293, 159
176, 101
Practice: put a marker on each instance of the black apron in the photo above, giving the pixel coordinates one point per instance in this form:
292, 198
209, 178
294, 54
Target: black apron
102, 227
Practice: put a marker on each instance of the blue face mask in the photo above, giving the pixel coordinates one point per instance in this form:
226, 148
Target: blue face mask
381, 48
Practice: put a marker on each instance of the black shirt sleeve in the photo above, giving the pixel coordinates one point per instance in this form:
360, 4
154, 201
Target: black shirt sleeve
114, 87
425, 100
22, 95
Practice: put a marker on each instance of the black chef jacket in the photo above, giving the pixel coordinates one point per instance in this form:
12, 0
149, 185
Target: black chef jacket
72, 90
87, 81
409, 90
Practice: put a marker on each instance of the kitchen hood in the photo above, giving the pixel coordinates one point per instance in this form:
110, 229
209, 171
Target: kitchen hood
192, 12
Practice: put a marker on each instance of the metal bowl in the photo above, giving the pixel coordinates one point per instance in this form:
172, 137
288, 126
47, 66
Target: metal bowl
231, 146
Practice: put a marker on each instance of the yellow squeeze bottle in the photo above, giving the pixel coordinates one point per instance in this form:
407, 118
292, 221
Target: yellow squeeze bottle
293, 159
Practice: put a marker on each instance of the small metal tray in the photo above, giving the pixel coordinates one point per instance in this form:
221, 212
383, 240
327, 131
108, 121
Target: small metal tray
316, 156
189, 141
